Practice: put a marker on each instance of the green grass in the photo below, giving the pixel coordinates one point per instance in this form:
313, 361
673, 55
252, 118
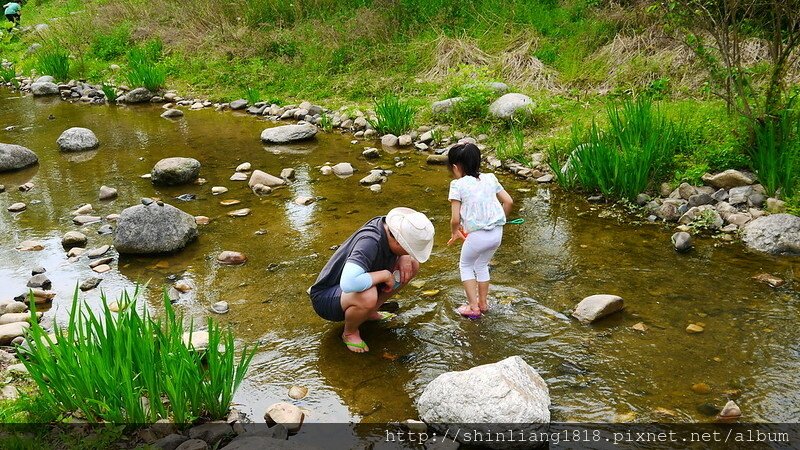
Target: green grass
623, 160
53, 61
776, 153
7, 74
109, 92
252, 95
393, 115
129, 367
144, 70
512, 146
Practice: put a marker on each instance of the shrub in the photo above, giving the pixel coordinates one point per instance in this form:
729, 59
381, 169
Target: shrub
393, 115
131, 368
144, 69
113, 44
776, 153
624, 160
252, 95
7, 74
53, 62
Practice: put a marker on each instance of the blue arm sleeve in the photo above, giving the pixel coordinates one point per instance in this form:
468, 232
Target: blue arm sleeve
354, 279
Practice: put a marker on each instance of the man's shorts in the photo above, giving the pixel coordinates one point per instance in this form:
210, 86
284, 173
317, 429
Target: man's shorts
328, 303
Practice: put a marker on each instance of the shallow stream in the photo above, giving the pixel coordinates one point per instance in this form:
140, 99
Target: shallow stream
750, 350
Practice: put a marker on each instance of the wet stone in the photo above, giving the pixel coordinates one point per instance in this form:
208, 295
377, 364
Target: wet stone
694, 328
17, 207
231, 258
220, 307
240, 212
90, 284
97, 252
769, 279
39, 281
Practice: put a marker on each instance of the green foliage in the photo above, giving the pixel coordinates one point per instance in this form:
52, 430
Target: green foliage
393, 115
131, 368
110, 92
144, 68
111, 45
776, 153
635, 151
7, 74
252, 95
512, 146
325, 122
53, 61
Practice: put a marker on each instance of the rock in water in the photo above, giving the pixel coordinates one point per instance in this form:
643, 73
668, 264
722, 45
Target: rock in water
259, 177
728, 179
12, 330
682, 241
153, 229
90, 284
175, 171
77, 139
730, 411
15, 157
510, 105
343, 169
138, 95
285, 414
73, 239
231, 258
43, 88
595, 307
769, 279
107, 193
238, 104
285, 134
776, 234
511, 392
172, 113
298, 392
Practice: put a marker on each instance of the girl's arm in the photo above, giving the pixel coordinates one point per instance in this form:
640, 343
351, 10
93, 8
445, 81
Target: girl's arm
455, 222
506, 201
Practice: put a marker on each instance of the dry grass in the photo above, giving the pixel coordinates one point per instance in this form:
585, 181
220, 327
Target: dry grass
520, 67
452, 53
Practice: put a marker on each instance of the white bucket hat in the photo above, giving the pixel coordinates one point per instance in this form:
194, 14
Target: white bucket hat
413, 231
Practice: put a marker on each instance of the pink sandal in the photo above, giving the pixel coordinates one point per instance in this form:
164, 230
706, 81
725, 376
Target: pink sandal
468, 312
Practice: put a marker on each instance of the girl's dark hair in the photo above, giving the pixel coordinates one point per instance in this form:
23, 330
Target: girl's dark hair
467, 156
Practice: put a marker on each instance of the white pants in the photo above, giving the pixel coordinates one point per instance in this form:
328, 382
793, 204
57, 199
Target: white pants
476, 252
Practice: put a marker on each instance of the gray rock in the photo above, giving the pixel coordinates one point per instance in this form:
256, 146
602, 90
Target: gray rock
775, 233
238, 104
153, 229
389, 140
343, 169
285, 134
15, 157
107, 193
595, 307
14, 307
286, 414
17, 207
170, 442
73, 239
642, 199
193, 444
138, 95
756, 200
775, 205
445, 106
510, 105
739, 195
175, 171
44, 88
172, 113
40, 281
700, 199
90, 284
371, 153
10, 331
99, 251
720, 195
211, 433
668, 212
728, 179
739, 219
374, 177
77, 139
686, 190
511, 392
682, 241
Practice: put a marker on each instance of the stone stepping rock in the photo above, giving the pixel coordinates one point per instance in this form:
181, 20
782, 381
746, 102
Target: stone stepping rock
73, 239
217, 190
304, 200
244, 167
10, 331
100, 262
83, 210
231, 258
30, 246
40, 281
90, 284
17, 207
285, 414
437, 159
260, 177
239, 212
17, 317
75, 251
343, 169
102, 268
97, 252
239, 176
84, 220
230, 202
595, 307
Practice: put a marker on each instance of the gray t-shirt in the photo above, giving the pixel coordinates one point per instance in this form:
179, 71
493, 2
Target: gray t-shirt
368, 247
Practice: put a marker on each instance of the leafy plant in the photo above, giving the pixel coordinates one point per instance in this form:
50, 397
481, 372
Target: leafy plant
512, 146
252, 95
144, 69
325, 122
131, 368
393, 115
7, 74
776, 153
110, 92
54, 62
113, 44
624, 160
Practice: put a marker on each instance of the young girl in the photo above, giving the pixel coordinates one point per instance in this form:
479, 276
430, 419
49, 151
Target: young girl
479, 207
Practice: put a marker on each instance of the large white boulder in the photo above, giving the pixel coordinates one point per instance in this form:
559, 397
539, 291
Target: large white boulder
44, 88
506, 392
153, 228
511, 105
175, 171
595, 307
77, 139
285, 134
776, 234
15, 157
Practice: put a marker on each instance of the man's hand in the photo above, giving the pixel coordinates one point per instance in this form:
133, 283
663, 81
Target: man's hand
386, 281
406, 266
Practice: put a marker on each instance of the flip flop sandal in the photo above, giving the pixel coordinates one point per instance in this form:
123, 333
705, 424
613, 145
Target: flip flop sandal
361, 345
517, 221
386, 316
467, 312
